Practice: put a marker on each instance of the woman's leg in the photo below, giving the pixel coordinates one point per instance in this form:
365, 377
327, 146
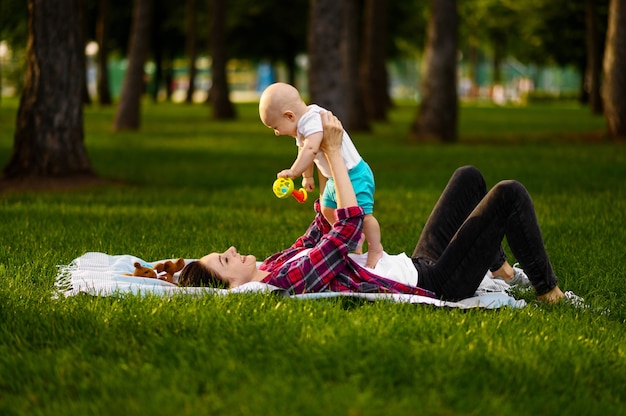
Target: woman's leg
506, 210
465, 189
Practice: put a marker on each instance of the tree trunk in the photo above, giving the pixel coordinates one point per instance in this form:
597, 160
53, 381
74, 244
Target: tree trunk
156, 47
192, 49
614, 87
356, 117
102, 37
473, 66
374, 78
223, 108
128, 111
496, 64
593, 70
325, 61
82, 18
438, 113
291, 70
168, 79
158, 78
48, 139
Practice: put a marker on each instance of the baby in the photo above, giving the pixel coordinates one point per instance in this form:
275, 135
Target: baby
282, 109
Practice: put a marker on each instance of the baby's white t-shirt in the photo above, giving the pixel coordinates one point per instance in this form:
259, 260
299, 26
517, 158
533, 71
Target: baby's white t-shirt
311, 122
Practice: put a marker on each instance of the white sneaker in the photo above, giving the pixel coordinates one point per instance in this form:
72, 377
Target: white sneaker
519, 278
574, 300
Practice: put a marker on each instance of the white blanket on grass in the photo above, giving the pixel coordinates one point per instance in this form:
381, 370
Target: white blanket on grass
100, 274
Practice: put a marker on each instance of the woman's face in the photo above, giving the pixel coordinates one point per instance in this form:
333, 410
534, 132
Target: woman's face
230, 266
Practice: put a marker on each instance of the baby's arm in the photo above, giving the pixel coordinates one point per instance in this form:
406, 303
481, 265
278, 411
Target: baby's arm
306, 154
308, 181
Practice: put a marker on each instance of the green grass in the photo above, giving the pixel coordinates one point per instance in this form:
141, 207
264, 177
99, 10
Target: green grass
188, 186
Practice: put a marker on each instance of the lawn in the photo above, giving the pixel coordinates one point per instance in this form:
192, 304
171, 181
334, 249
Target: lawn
185, 185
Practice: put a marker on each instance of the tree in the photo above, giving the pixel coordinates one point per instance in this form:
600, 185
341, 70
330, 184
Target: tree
192, 49
128, 111
498, 35
83, 35
593, 45
102, 37
167, 36
356, 117
264, 21
325, 58
614, 87
437, 116
494, 26
373, 71
563, 37
49, 134
219, 96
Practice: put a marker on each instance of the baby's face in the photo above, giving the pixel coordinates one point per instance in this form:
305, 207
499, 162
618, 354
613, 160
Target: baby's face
282, 124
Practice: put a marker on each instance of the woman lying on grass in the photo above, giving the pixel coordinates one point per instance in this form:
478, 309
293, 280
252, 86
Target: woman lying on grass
460, 242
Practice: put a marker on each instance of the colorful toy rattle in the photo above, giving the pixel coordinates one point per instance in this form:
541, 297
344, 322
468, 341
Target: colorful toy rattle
283, 187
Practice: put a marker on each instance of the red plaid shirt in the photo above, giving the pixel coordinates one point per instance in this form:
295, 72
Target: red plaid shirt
327, 266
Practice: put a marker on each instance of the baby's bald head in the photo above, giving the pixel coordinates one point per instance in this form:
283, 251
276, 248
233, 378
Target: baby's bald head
277, 99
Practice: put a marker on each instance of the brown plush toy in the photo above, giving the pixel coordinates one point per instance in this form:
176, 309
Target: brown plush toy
164, 271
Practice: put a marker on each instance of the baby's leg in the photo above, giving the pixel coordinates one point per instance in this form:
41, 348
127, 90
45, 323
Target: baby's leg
371, 231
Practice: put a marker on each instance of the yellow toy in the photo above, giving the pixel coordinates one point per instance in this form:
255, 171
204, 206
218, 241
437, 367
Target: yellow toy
283, 187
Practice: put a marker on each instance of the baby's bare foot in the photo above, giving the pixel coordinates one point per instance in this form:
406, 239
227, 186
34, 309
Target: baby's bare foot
372, 257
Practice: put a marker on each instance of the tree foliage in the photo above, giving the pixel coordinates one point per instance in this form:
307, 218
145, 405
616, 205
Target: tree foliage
267, 30
14, 22
538, 32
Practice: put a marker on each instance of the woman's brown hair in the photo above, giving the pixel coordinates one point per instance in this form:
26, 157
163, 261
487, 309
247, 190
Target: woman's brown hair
195, 274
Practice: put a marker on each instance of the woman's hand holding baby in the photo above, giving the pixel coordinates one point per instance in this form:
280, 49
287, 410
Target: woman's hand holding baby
331, 146
333, 133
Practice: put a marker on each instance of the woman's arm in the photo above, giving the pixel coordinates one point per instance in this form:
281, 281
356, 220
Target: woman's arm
316, 229
309, 239
331, 145
315, 272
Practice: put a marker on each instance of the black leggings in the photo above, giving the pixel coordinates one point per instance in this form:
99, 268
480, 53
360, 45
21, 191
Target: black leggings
463, 236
